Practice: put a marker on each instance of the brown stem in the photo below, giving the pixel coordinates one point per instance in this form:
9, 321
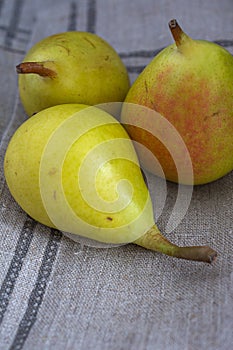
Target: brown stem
154, 240
35, 68
176, 31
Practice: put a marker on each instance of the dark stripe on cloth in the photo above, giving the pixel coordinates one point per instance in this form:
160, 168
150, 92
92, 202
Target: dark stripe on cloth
152, 53
21, 250
14, 21
38, 291
1, 6
72, 17
91, 16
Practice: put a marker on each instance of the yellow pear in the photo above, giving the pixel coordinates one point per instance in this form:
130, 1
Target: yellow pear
71, 67
74, 167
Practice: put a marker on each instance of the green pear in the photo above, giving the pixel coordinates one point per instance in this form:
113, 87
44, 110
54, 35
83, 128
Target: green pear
74, 167
189, 83
71, 67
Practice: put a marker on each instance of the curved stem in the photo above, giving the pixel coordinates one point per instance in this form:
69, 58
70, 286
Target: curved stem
154, 240
178, 34
35, 68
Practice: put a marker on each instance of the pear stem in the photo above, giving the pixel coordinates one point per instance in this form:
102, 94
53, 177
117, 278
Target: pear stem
154, 240
35, 68
176, 31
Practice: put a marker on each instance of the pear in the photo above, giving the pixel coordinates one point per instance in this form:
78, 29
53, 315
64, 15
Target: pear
190, 84
71, 67
74, 167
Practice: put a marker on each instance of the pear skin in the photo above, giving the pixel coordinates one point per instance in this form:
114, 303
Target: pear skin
190, 84
74, 167
71, 67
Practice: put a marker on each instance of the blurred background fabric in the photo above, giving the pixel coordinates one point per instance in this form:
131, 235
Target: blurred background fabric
60, 295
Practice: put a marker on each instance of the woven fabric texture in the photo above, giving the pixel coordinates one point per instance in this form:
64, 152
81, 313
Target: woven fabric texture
60, 295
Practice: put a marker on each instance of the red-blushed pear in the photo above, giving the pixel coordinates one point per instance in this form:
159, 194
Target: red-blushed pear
71, 67
190, 83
